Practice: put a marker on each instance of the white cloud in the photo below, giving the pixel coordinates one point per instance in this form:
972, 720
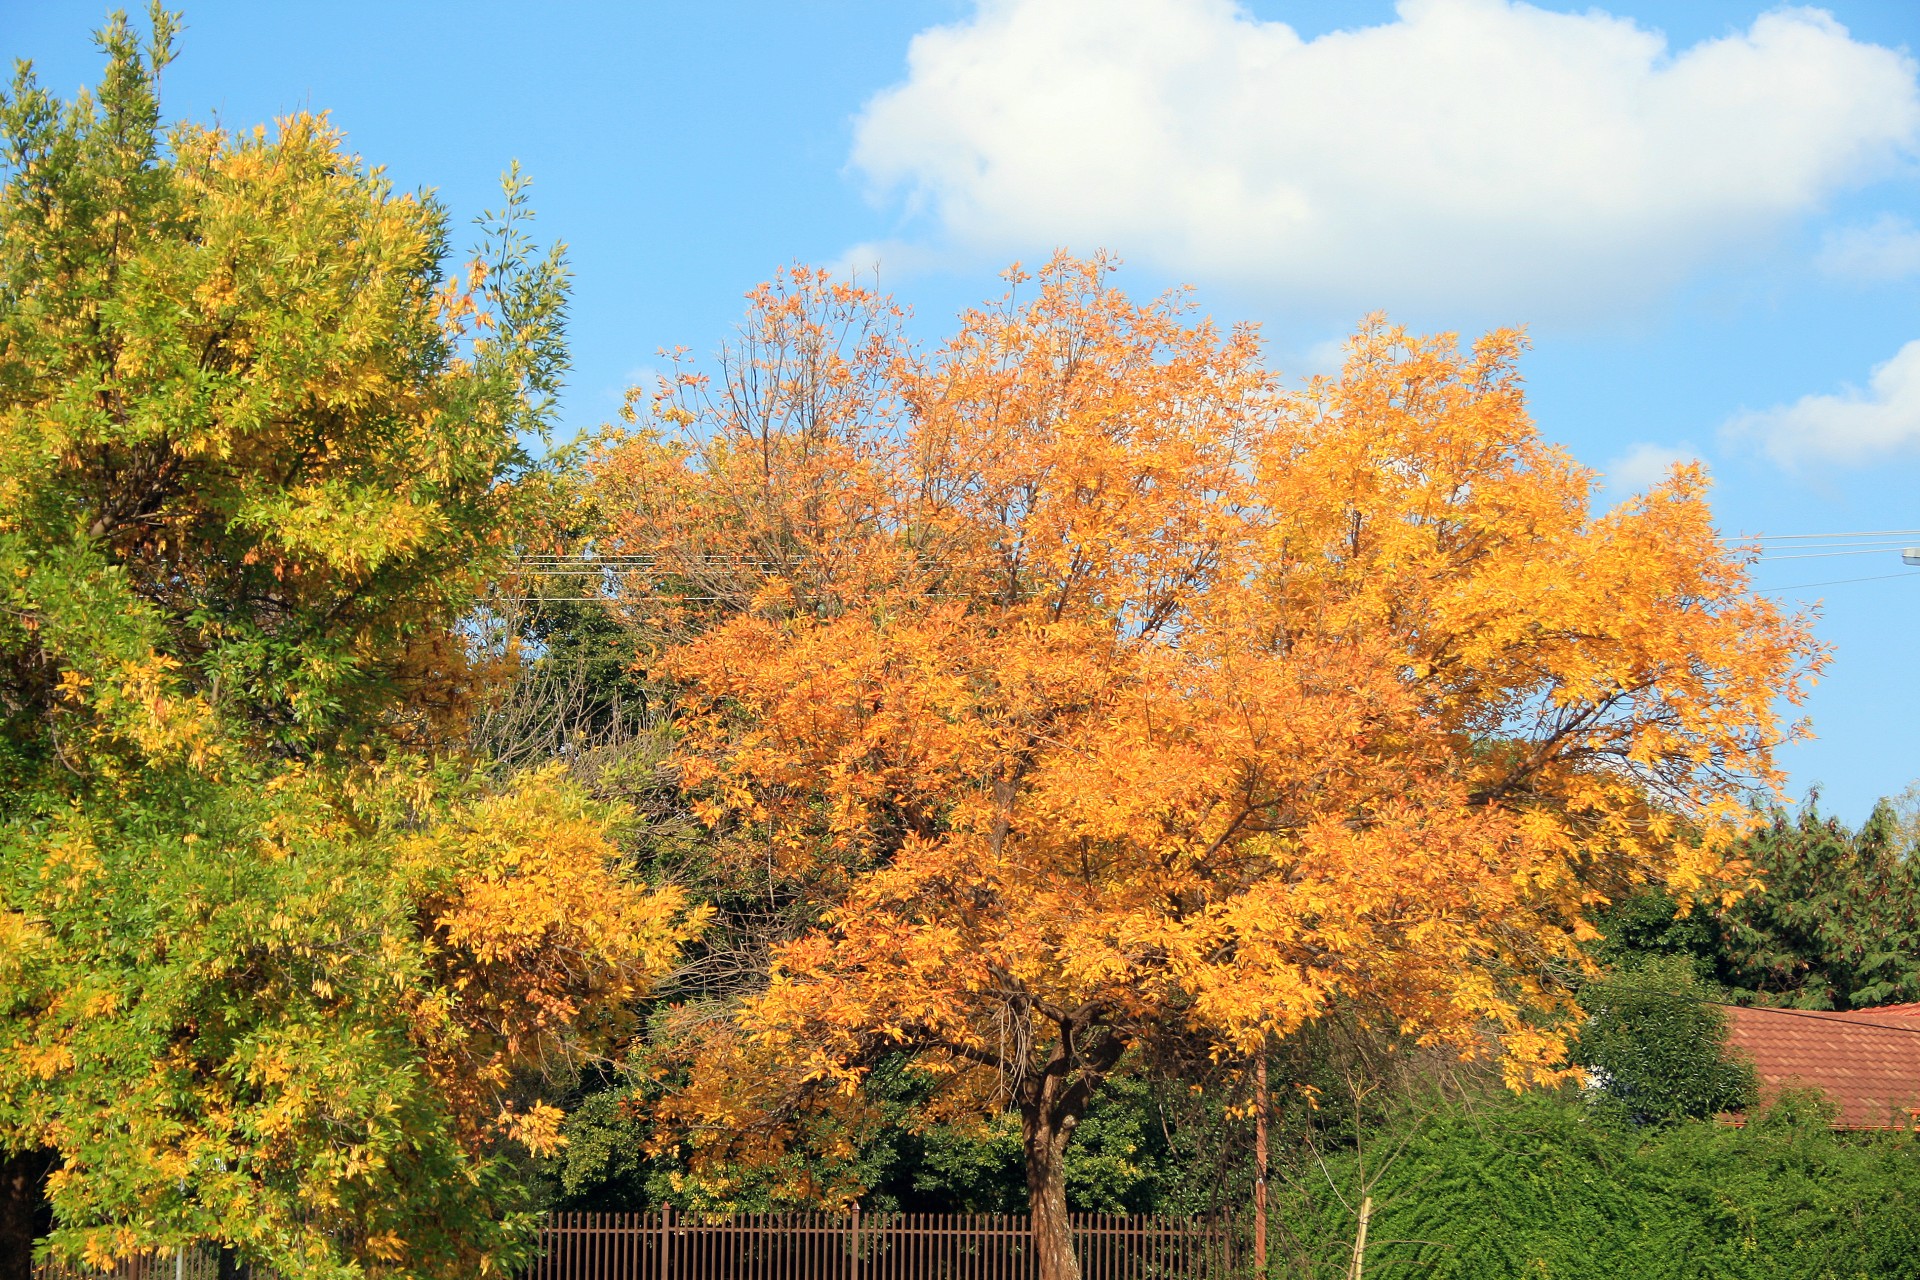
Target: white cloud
1645, 465
886, 260
1479, 152
1851, 427
1888, 248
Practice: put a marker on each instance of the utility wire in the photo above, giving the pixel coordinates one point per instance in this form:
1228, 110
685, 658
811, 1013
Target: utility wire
1833, 582
1806, 545
1775, 548
1828, 555
1831, 543
1810, 537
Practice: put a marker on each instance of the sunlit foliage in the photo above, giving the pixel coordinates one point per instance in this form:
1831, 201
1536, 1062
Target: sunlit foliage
1120, 700
277, 972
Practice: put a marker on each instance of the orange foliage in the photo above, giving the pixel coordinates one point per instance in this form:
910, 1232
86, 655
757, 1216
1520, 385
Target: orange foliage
1132, 695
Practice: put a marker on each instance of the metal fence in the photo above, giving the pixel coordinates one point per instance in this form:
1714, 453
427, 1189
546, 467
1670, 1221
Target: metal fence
664, 1245
875, 1246
186, 1264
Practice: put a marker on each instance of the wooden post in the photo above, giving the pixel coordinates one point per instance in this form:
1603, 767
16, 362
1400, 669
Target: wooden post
1260, 1164
666, 1241
856, 1240
1360, 1239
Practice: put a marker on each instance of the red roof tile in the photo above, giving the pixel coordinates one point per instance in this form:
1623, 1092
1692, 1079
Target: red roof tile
1908, 1010
1866, 1061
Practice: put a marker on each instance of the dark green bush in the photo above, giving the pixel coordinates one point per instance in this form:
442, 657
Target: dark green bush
1549, 1186
1655, 1045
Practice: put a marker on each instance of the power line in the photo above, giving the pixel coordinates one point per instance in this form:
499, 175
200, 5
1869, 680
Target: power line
1781, 547
1828, 555
1808, 544
1833, 582
611, 599
623, 600
1828, 545
1811, 537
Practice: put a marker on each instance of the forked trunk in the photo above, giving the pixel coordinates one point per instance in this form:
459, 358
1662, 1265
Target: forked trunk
1052, 1099
23, 1182
1046, 1149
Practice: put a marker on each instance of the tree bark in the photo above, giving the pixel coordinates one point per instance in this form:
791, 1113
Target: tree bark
1052, 1101
1260, 1164
1358, 1270
1046, 1150
23, 1182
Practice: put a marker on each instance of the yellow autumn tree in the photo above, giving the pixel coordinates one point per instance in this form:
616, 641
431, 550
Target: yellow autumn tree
283, 971
1119, 696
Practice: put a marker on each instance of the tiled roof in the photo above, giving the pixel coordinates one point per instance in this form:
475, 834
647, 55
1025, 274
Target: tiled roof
1908, 1010
1867, 1061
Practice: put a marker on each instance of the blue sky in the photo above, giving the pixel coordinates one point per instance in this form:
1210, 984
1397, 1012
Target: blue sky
1707, 213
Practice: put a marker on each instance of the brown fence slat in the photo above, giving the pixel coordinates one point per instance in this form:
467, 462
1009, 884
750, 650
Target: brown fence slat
661, 1245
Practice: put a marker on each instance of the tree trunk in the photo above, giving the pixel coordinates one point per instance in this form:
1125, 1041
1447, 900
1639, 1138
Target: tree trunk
23, 1181
1260, 1164
1046, 1150
1052, 1100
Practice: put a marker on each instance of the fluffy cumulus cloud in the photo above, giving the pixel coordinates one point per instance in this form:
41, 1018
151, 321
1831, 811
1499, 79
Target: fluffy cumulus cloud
1474, 152
1849, 428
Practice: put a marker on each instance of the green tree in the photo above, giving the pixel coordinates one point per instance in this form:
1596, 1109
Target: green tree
1655, 1046
1838, 925
1833, 923
278, 970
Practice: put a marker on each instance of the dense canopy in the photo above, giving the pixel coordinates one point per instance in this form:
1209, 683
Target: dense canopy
278, 972
1118, 700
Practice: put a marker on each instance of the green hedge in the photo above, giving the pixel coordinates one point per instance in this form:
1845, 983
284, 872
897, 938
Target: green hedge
1549, 1187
